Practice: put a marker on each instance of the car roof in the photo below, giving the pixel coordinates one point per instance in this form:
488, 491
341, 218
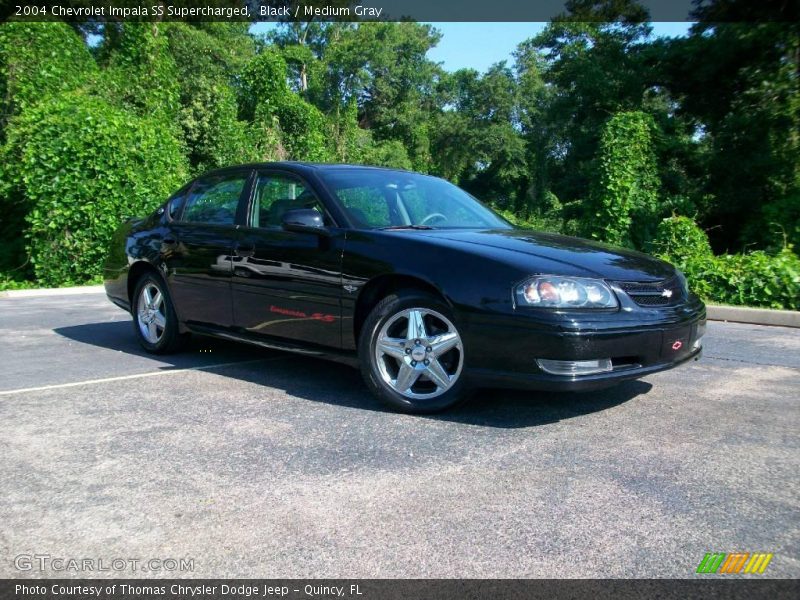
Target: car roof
300, 166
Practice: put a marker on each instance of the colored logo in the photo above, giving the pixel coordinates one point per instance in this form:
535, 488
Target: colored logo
301, 315
677, 345
734, 563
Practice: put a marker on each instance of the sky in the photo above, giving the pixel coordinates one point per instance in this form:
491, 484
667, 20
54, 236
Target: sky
480, 45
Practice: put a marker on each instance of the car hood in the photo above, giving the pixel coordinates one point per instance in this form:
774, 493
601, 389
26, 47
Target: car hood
584, 257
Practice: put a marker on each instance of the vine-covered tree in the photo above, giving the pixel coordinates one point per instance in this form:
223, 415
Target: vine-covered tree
625, 190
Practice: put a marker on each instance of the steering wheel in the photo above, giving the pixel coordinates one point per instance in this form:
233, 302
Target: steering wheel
433, 216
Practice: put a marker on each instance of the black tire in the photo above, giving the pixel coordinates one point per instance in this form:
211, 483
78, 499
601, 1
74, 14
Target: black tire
389, 311
170, 339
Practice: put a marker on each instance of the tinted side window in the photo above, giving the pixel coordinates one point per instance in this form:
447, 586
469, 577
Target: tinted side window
215, 200
366, 205
277, 193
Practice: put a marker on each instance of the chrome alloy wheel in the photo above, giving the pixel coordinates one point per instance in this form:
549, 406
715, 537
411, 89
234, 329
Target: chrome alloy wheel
150, 313
419, 353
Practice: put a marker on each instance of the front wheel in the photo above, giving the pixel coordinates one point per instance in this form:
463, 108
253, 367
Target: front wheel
154, 318
412, 355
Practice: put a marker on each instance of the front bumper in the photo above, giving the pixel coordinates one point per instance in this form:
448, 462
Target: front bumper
557, 383
502, 351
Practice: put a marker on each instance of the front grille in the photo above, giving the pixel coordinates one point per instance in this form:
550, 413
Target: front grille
654, 293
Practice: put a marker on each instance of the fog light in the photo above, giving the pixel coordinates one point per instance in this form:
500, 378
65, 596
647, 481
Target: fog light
699, 333
575, 367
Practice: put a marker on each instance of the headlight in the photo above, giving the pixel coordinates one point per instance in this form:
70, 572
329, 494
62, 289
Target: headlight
551, 291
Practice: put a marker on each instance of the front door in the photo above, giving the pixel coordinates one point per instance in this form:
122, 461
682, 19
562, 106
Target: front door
285, 284
199, 249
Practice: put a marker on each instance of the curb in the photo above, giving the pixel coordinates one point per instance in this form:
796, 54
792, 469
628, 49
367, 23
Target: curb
41, 292
754, 316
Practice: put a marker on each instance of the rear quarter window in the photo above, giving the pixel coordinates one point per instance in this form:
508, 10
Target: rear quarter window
215, 200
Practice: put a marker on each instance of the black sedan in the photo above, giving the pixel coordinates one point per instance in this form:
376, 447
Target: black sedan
406, 275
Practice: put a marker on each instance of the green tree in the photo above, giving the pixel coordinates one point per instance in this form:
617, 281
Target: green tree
476, 141
304, 130
83, 167
215, 51
739, 83
37, 60
625, 194
212, 134
31, 70
383, 67
534, 100
263, 84
267, 100
208, 58
140, 73
594, 70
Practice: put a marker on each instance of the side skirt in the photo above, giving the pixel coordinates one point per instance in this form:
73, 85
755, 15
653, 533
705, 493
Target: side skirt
339, 356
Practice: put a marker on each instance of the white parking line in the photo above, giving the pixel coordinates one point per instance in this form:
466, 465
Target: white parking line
42, 292
58, 386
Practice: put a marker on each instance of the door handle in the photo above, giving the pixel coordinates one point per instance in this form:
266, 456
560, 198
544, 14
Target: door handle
244, 250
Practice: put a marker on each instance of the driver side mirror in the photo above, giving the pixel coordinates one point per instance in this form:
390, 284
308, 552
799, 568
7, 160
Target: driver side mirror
304, 220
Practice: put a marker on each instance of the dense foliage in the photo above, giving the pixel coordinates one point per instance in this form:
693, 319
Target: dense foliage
595, 128
31, 68
755, 278
86, 166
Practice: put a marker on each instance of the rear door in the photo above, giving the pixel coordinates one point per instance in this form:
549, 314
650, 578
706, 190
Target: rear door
287, 284
198, 250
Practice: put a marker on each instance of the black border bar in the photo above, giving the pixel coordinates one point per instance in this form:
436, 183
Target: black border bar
702, 587
396, 10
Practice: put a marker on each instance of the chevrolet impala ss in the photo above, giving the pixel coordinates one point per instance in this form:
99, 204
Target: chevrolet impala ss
405, 275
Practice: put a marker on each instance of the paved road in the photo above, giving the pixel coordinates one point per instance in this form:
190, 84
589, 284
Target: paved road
284, 466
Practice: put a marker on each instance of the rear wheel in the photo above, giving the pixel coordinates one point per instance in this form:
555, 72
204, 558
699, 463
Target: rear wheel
412, 355
154, 318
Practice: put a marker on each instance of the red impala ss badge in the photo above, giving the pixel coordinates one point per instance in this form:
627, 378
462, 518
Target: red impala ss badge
677, 345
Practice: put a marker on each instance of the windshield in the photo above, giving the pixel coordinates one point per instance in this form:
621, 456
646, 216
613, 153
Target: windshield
378, 199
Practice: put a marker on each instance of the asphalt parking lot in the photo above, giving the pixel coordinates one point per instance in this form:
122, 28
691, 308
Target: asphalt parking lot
257, 463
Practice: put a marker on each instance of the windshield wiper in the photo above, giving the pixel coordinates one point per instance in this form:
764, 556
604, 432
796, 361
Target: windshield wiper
391, 227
